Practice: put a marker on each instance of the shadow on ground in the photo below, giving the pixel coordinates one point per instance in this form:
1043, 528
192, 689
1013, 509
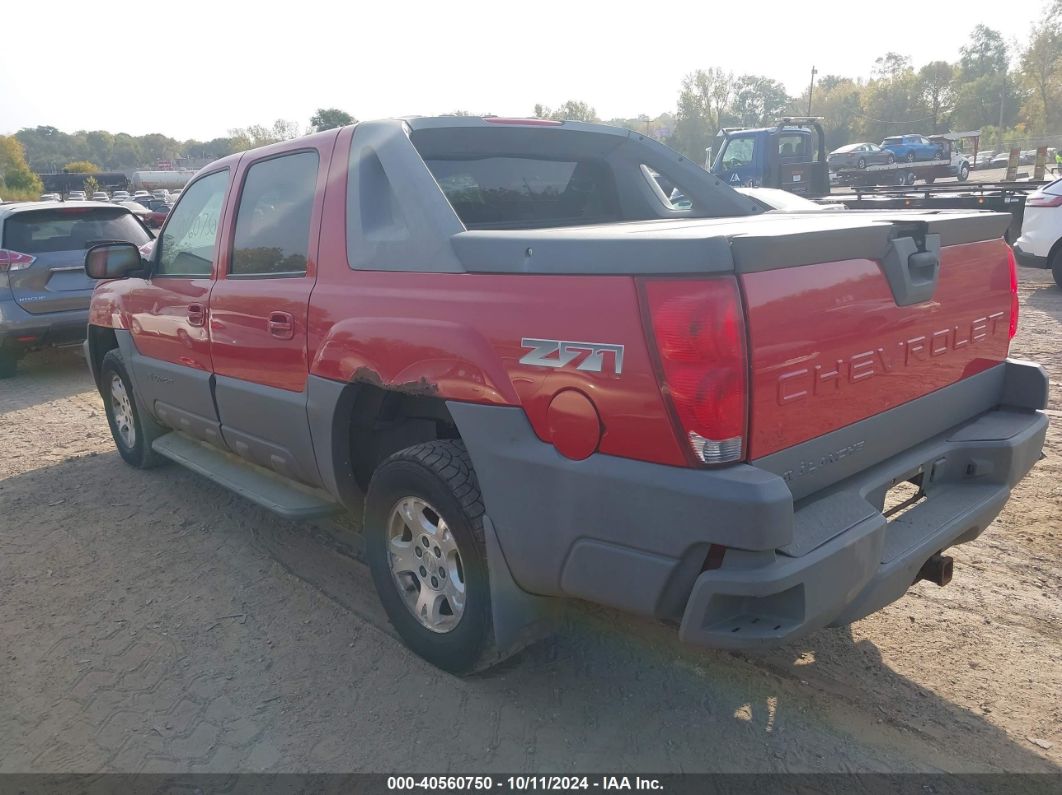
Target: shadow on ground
156, 622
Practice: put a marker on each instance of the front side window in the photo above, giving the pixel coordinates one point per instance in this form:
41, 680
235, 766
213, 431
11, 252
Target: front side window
189, 240
273, 220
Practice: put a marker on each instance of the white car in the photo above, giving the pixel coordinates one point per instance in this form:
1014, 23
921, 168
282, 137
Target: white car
786, 202
1040, 243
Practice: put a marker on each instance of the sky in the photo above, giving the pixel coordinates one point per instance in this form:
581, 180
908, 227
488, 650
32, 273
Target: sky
195, 69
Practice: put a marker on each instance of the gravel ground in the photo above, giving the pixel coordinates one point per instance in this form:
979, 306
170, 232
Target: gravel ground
150, 621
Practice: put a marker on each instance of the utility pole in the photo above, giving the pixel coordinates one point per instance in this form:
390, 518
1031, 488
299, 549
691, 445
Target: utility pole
1002, 99
811, 89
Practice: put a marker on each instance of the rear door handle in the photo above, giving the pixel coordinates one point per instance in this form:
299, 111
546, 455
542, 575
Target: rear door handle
282, 325
196, 315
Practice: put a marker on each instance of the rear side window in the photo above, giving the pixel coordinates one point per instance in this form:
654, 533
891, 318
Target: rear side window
70, 229
526, 192
273, 220
189, 238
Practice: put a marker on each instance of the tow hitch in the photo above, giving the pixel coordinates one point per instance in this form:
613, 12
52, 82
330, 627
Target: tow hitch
937, 569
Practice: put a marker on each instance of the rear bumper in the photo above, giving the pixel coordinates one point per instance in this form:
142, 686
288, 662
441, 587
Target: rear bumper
54, 328
636, 536
761, 599
1026, 259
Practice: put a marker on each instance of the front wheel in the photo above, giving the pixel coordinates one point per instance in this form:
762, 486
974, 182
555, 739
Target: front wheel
910, 157
132, 433
1056, 267
890, 160
425, 546
964, 172
862, 163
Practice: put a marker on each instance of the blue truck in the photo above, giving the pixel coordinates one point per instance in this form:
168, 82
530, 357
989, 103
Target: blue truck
792, 155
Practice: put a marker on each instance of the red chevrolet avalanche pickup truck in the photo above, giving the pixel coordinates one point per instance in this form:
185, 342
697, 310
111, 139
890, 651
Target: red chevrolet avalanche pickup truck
540, 377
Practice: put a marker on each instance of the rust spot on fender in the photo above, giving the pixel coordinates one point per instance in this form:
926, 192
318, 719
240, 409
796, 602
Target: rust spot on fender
366, 375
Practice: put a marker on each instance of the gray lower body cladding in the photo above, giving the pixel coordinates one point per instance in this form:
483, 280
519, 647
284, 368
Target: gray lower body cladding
635, 535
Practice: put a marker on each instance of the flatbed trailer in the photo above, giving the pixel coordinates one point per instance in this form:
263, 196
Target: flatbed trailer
898, 174
1007, 197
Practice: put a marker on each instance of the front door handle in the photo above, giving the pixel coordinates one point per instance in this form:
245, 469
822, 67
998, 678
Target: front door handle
196, 315
282, 325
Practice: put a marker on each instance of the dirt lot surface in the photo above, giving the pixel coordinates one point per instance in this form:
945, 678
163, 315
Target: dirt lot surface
150, 621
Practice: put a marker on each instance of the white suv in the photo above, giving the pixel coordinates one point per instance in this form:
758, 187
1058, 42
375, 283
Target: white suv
1040, 244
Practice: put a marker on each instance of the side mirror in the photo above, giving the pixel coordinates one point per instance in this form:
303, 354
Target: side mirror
112, 260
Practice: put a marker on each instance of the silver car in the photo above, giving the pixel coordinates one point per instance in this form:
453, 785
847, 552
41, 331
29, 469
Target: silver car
44, 292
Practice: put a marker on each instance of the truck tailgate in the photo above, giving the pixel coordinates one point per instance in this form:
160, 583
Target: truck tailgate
832, 343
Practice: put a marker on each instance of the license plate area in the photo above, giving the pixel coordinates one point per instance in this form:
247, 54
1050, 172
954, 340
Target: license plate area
904, 495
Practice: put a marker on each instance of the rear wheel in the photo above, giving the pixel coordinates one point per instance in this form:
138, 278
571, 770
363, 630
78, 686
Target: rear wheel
1056, 267
132, 433
964, 172
862, 163
910, 157
890, 159
425, 547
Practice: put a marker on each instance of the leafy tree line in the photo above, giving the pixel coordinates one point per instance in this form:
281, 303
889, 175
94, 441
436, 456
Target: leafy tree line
47, 149
1014, 95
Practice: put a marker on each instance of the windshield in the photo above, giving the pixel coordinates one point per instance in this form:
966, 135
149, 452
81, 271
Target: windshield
737, 152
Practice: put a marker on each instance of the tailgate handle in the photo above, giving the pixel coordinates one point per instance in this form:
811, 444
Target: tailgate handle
912, 271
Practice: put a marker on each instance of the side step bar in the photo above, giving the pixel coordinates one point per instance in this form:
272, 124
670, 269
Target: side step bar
268, 489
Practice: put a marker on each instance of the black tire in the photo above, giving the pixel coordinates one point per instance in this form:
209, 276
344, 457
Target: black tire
145, 430
890, 159
862, 163
1056, 267
8, 363
910, 157
440, 473
964, 172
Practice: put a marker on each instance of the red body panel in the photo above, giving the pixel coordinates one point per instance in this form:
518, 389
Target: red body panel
829, 346
258, 325
167, 318
462, 342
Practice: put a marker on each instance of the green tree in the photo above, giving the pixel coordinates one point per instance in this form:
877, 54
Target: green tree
936, 90
16, 178
90, 186
891, 102
81, 167
1041, 71
330, 118
572, 110
758, 100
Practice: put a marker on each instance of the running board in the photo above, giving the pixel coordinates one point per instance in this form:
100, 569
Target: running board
268, 489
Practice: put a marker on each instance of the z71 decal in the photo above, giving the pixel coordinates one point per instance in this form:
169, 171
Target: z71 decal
559, 353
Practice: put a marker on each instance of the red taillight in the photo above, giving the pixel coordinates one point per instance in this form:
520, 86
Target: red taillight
14, 260
1043, 200
1013, 293
699, 332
